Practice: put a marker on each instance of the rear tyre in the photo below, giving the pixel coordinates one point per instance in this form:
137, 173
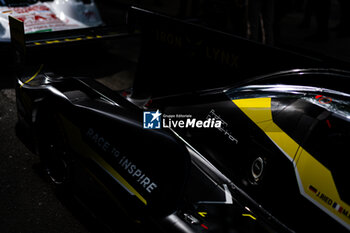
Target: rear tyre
52, 150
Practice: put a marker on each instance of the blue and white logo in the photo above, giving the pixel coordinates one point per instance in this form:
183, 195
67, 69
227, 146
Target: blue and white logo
152, 120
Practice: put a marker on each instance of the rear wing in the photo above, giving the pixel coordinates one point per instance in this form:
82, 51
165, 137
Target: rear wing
179, 56
31, 43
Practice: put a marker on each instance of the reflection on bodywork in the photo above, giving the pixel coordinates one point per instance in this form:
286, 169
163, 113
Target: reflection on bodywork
47, 16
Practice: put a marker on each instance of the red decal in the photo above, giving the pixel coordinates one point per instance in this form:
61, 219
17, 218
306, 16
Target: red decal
21, 10
148, 103
53, 16
22, 18
323, 99
329, 124
38, 17
204, 226
312, 188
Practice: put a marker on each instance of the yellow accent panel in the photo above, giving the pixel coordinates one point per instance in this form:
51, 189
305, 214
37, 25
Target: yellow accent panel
258, 109
312, 172
297, 156
203, 214
267, 126
286, 143
74, 136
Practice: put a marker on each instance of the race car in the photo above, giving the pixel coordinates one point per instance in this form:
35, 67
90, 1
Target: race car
48, 15
265, 153
266, 156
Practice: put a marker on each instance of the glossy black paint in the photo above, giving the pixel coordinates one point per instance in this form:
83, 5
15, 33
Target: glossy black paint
194, 169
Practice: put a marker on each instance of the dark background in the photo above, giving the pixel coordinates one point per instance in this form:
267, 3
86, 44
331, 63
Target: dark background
28, 202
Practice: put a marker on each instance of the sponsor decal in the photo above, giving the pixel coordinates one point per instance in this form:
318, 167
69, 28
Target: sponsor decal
40, 17
124, 161
328, 200
199, 47
313, 189
223, 127
157, 120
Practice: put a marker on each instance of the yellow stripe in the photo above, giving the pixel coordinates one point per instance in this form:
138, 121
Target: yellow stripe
33, 77
308, 170
68, 40
116, 175
52, 41
74, 39
249, 215
76, 141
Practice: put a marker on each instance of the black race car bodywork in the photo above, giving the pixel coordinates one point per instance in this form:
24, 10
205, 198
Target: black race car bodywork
266, 154
275, 162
